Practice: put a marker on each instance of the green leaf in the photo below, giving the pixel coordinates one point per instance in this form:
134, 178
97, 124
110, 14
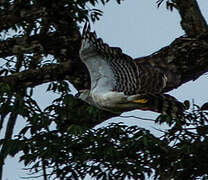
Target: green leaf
159, 2
24, 130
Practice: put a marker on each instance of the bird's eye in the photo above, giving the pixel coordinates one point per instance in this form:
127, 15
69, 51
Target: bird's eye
77, 95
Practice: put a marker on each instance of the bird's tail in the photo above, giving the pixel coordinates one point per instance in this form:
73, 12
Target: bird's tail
161, 103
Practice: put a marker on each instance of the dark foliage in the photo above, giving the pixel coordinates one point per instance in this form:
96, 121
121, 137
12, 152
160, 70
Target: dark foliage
117, 151
170, 4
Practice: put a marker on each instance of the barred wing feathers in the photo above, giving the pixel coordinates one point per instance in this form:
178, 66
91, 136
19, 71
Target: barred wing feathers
118, 72
131, 77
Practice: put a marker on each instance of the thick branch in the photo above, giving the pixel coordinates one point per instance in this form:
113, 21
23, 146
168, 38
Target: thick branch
193, 23
75, 72
186, 57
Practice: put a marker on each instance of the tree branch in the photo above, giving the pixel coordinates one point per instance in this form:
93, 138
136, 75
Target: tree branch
193, 23
187, 57
54, 72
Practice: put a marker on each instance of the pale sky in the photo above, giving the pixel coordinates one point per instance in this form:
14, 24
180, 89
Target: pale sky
139, 28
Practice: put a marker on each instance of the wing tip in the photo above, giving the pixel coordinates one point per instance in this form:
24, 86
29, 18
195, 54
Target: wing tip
100, 46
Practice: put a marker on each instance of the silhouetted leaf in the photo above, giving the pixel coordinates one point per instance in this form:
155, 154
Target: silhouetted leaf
204, 107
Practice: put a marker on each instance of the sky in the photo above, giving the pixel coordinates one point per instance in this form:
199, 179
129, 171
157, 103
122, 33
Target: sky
139, 28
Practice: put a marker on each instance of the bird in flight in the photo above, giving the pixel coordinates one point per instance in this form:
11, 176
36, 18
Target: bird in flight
120, 83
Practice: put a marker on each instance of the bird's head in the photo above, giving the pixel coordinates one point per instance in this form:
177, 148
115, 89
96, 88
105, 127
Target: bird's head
85, 96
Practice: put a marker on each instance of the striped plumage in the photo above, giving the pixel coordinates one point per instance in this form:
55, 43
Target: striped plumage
119, 83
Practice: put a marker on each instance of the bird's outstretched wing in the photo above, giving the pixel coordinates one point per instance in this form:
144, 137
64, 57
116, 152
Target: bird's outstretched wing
130, 77
117, 81
102, 48
93, 55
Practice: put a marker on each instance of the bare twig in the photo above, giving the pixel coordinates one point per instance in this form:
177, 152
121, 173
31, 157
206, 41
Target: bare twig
144, 119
